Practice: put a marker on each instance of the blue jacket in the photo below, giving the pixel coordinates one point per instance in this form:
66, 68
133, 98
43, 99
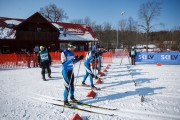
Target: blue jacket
66, 59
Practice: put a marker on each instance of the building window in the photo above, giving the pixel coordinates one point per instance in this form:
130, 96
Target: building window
10, 26
61, 29
81, 48
39, 29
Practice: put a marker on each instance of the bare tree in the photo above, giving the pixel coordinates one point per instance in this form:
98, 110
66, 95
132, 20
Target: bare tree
132, 25
77, 21
53, 13
130, 36
86, 21
122, 24
107, 26
147, 13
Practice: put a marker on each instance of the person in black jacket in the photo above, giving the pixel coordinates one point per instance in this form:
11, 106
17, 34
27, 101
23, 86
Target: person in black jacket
132, 54
44, 61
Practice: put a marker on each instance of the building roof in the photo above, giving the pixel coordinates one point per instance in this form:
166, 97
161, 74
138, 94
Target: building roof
35, 18
75, 32
151, 46
68, 31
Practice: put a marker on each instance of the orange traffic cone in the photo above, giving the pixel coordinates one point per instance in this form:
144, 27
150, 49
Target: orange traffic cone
105, 70
102, 74
107, 67
99, 81
76, 117
99, 72
158, 64
91, 94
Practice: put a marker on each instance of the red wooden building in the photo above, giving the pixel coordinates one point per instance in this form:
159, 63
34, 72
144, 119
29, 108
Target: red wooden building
29, 34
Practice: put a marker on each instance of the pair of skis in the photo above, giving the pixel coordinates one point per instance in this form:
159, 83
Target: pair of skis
88, 105
75, 105
85, 85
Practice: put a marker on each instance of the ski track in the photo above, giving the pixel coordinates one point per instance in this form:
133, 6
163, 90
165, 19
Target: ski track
160, 85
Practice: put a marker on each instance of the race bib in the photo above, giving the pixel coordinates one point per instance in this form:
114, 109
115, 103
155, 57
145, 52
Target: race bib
132, 52
44, 56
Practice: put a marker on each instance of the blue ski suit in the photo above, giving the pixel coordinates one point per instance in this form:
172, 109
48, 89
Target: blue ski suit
67, 73
89, 58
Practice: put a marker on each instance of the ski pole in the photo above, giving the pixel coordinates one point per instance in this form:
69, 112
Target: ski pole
77, 74
95, 66
69, 85
132, 77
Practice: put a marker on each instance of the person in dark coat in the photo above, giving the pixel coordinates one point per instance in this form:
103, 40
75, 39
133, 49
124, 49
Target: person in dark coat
132, 54
44, 61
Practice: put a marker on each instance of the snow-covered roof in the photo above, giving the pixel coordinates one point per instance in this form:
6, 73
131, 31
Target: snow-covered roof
151, 46
68, 31
74, 32
7, 33
15, 22
72, 37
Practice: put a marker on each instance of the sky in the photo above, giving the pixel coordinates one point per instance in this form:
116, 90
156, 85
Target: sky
100, 11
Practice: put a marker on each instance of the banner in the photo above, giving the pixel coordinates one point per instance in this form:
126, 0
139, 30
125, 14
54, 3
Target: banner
162, 58
169, 58
146, 57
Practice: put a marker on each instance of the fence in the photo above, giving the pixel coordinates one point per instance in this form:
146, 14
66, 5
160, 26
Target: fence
30, 60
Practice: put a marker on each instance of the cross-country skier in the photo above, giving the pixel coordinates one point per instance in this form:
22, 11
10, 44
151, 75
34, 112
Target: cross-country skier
68, 60
101, 50
91, 55
44, 61
132, 54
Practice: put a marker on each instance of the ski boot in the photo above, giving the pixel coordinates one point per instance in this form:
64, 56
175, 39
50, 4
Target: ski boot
73, 99
94, 88
66, 103
84, 84
49, 75
44, 79
96, 77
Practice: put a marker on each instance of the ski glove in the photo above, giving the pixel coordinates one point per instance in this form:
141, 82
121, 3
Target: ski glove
75, 59
96, 77
81, 57
95, 55
92, 75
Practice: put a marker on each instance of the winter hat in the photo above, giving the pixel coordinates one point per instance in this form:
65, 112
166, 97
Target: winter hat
41, 47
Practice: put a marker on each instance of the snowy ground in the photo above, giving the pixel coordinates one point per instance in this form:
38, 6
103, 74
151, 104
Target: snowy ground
160, 86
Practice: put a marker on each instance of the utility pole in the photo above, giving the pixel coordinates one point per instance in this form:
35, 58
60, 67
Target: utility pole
117, 39
122, 13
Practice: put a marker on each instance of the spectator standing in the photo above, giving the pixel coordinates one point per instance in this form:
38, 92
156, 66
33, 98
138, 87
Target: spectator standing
132, 54
44, 60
